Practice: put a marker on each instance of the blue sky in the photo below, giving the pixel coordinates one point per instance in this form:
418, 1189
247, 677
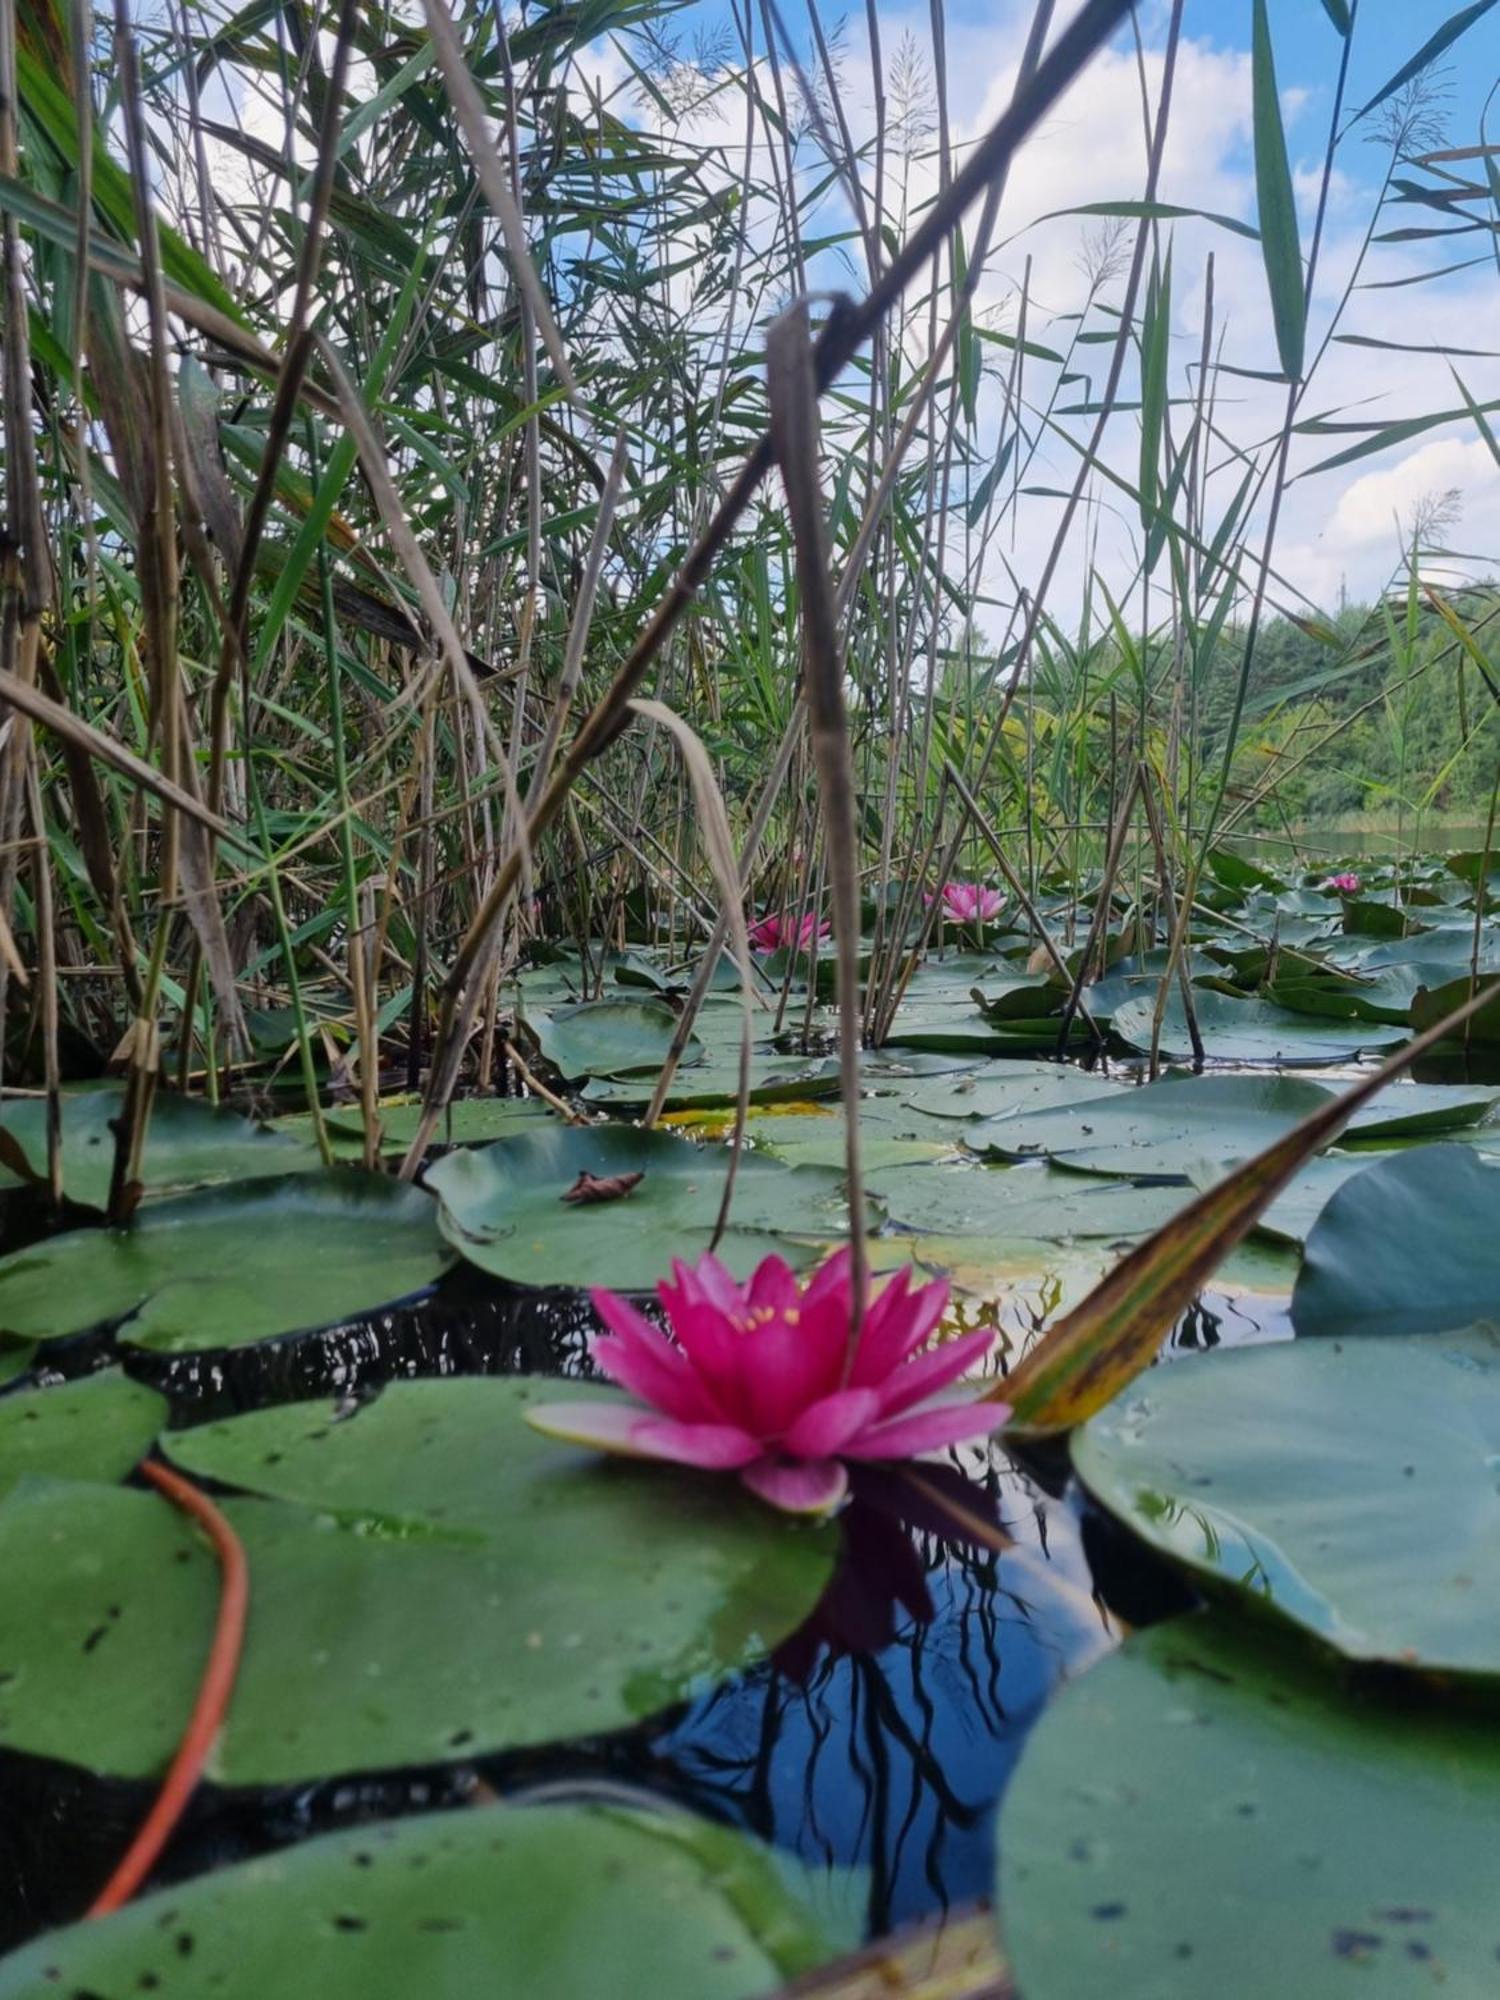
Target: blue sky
1339, 530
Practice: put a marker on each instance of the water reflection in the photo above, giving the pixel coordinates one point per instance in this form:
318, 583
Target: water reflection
882, 1736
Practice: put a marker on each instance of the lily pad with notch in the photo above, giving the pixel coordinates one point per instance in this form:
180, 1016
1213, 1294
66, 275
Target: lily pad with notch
431, 1579
229, 1266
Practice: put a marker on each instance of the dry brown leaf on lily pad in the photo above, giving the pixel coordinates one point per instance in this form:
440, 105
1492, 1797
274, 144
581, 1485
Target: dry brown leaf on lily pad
601, 1187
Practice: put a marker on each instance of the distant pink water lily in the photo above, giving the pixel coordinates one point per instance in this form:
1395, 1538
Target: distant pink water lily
787, 933
1347, 885
752, 1380
970, 903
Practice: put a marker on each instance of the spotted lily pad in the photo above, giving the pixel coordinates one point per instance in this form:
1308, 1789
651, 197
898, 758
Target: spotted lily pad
1201, 1815
231, 1265
555, 1902
94, 1429
502, 1207
1348, 1486
429, 1579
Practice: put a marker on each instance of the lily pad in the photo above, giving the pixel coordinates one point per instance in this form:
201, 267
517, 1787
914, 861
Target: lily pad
1291, 1216
555, 1902
1163, 1130
1021, 1204
609, 1037
451, 1584
1252, 1031
231, 1265
188, 1144
1348, 1486
1002, 1089
94, 1429
1411, 1246
716, 1081
502, 1208
1197, 1816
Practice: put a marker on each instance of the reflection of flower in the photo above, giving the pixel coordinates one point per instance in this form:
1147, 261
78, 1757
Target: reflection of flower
756, 1382
970, 903
1347, 885
785, 934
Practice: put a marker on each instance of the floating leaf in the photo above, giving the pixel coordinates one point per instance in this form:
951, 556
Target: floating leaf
1197, 1816
1163, 1130
1000, 1089
231, 1265
1349, 1486
502, 1207
188, 1144
610, 1037
1411, 1246
555, 1902
1020, 1204
94, 1429
774, 1079
1252, 1031
452, 1584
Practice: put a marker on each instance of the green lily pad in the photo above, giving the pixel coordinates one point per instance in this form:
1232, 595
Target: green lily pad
502, 1208
451, 1584
774, 1079
1347, 1485
1291, 1216
1020, 1204
231, 1265
94, 1429
1413, 1110
1433, 1004
1164, 1129
1000, 1089
609, 1037
188, 1144
555, 1902
1197, 1815
1409, 1247
1252, 1031
15, 1360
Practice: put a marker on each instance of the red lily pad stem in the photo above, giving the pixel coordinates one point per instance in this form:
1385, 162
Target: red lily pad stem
214, 1691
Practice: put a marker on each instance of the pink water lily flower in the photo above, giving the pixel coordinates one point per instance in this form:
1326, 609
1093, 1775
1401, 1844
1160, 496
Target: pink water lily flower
1347, 885
786, 933
970, 902
753, 1380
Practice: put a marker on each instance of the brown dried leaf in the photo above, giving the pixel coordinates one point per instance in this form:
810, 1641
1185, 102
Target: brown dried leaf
600, 1187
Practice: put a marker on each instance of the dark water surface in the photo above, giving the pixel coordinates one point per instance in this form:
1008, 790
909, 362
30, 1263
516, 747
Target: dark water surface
881, 1735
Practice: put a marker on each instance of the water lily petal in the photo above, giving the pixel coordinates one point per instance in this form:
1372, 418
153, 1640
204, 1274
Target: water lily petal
928, 1428
798, 1486
708, 1315
643, 1361
772, 1286
926, 1373
825, 1427
606, 1426
789, 1363
716, 1447
896, 1325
